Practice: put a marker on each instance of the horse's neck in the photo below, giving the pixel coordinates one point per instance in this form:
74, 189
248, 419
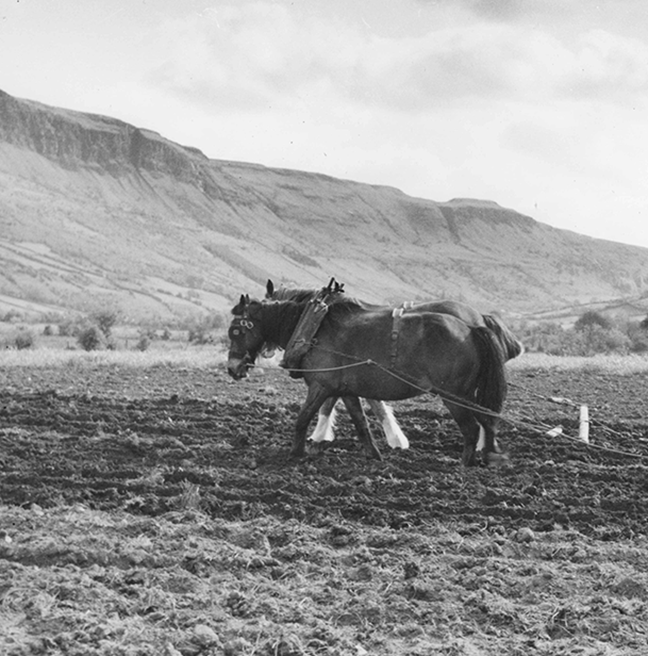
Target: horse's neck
280, 321
297, 295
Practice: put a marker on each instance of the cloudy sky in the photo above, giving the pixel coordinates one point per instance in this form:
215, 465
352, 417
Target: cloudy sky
539, 105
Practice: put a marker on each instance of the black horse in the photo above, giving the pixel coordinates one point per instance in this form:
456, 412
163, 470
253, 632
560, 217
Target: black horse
355, 356
324, 430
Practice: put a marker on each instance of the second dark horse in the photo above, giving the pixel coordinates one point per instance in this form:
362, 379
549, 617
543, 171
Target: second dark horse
324, 430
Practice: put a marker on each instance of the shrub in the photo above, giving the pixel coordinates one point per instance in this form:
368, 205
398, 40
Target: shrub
24, 339
199, 335
199, 330
590, 335
143, 341
638, 336
12, 316
105, 320
597, 339
592, 318
91, 338
69, 327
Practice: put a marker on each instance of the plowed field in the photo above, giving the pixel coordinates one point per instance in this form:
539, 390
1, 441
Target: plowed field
154, 510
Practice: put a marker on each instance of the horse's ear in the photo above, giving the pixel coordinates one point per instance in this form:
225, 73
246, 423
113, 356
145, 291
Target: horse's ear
242, 299
269, 288
246, 299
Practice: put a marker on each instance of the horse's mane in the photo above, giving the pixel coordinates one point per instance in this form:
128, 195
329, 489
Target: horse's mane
299, 295
293, 294
343, 306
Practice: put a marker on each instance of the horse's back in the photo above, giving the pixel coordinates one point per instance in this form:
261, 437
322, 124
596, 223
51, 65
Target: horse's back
453, 308
387, 335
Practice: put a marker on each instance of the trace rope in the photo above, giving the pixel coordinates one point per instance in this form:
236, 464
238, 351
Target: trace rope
465, 403
448, 396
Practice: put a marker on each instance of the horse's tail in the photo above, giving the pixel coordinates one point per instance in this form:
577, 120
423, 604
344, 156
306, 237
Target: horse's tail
508, 342
491, 379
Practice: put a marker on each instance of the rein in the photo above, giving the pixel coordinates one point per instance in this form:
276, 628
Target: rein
465, 403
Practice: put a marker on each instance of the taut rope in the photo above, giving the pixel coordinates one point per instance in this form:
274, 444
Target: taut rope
465, 403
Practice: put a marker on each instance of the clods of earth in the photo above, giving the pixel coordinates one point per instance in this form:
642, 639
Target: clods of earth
155, 510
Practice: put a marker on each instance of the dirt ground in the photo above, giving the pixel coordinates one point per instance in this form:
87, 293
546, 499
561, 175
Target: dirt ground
155, 511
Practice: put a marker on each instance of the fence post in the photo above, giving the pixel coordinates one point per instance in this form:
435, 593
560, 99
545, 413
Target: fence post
583, 429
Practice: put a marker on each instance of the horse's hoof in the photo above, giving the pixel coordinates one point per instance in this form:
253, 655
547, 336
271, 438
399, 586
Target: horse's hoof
496, 459
373, 453
317, 448
469, 460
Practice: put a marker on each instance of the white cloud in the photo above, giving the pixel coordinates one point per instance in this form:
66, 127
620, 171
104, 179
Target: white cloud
253, 56
608, 66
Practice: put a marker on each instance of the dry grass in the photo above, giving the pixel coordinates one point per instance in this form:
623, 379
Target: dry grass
613, 364
200, 357
197, 357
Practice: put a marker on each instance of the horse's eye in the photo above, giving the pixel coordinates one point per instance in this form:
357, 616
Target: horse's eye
236, 331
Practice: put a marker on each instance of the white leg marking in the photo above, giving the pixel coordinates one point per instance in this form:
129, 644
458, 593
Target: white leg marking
395, 436
324, 431
481, 442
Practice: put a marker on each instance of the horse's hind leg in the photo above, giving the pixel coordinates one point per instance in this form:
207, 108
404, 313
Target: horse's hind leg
359, 419
470, 429
478, 431
487, 442
395, 436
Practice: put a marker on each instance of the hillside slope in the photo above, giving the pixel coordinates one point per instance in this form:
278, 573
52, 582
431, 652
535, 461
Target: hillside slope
94, 211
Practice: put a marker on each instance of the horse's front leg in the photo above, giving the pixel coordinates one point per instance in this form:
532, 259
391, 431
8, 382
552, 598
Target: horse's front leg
324, 430
359, 419
316, 396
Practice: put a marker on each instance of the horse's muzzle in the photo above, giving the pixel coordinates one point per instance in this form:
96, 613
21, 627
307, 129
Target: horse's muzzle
238, 368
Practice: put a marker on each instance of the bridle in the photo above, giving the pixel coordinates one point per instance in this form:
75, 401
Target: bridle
242, 324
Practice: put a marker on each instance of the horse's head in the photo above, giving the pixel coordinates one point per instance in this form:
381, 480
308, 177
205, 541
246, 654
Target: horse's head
246, 337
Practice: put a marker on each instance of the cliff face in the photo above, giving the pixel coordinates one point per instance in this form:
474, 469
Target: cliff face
93, 210
76, 140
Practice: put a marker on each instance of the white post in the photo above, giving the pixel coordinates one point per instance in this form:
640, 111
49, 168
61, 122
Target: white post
583, 430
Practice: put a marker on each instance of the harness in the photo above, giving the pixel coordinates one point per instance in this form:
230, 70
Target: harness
309, 322
397, 317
